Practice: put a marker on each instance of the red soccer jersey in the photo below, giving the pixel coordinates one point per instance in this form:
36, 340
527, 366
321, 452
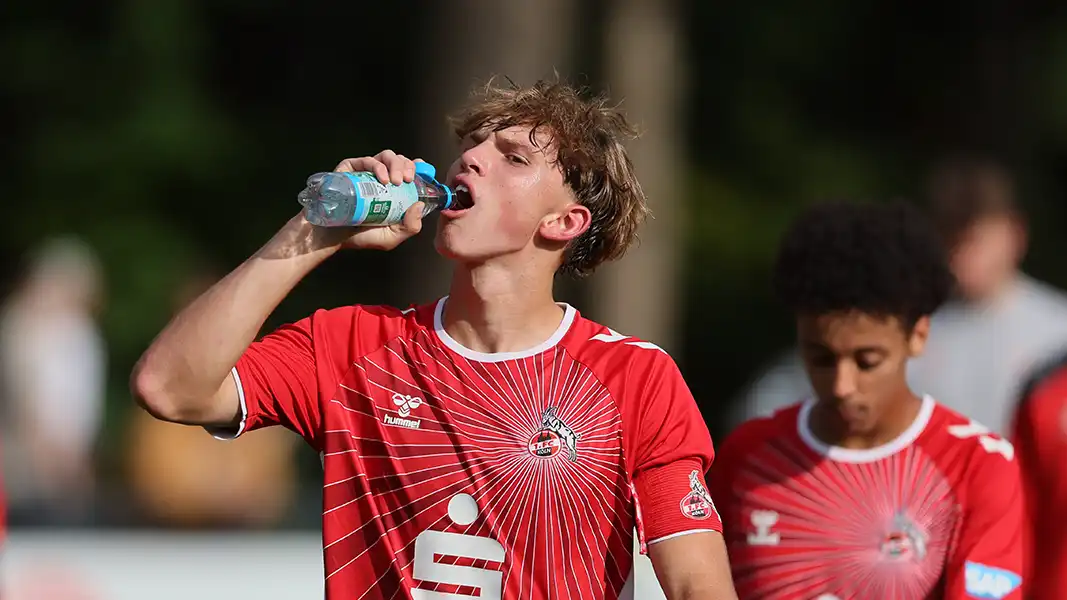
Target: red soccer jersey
1040, 439
936, 513
451, 473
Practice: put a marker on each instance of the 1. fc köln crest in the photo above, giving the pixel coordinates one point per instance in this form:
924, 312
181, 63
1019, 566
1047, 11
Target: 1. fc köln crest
553, 437
697, 503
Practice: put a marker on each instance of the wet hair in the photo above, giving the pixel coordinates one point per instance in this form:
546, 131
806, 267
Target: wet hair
883, 260
587, 144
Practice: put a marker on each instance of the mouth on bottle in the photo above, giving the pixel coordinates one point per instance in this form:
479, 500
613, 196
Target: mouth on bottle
462, 198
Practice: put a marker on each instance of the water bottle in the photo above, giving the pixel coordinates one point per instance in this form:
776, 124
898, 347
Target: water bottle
359, 199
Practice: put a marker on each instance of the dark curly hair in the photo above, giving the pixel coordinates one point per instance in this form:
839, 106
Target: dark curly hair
884, 260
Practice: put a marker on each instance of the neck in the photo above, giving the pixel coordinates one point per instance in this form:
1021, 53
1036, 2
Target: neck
492, 308
827, 424
997, 294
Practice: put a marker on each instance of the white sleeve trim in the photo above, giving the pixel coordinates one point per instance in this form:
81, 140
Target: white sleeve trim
680, 534
226, 434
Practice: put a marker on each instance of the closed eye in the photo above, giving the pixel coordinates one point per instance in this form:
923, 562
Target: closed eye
516, 159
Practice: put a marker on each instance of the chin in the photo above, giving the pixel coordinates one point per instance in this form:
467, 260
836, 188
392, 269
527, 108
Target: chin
860, 428
451, 245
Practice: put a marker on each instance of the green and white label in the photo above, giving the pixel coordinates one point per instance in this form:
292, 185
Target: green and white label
379, 204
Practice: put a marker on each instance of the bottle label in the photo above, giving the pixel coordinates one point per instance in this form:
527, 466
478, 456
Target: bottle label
378, 204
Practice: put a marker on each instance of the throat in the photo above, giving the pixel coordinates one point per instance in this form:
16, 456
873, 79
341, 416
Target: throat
494, 308
827, 424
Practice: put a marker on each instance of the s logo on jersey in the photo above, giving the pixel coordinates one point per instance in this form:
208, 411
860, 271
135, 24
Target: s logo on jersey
553, 437
697, 503
984, 581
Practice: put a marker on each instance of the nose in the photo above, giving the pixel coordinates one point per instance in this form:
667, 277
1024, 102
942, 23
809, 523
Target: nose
845, 380
473, 159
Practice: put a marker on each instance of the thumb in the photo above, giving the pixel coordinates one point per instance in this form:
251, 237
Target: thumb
412, 223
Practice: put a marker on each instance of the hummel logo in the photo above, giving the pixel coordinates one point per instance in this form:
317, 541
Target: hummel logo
406, 403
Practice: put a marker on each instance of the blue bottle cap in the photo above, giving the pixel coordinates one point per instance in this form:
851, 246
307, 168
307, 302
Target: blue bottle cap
425, 168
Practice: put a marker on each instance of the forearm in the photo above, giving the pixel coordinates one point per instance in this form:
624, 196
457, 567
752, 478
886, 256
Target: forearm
693, 567
179, 377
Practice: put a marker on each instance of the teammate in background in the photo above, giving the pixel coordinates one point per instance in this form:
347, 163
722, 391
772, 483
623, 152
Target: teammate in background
494, 444
1000, 323
1040, 440
867, 490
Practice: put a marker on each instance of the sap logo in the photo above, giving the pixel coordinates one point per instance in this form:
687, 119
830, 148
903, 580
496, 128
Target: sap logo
989, 582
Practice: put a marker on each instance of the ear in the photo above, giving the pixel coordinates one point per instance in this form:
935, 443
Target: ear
919, 334
565, 225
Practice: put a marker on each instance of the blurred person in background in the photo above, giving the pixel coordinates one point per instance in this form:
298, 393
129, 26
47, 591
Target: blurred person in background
869, 489
183, 478
53, 370
494, 427
999, 325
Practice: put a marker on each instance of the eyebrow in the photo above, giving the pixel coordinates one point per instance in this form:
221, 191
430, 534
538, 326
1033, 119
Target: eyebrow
517, 144
822, 348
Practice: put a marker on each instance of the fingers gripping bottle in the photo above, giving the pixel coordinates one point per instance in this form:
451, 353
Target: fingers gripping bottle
359, 199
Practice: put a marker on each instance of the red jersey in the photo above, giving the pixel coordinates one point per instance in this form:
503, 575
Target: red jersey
936, 513
451, 473
1040, 439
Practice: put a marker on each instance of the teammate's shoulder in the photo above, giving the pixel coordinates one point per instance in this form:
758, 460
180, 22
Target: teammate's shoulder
954, 434
1048, 378
780, 423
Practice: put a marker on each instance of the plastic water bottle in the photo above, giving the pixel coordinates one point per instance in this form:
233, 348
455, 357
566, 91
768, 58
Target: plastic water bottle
359, 199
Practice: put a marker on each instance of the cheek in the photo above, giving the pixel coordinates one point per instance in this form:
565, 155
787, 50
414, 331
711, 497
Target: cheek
885, 378
513, 220
822, 381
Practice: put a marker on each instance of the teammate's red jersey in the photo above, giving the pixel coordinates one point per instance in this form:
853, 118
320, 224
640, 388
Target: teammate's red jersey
456, 474
936, 513
1040, 439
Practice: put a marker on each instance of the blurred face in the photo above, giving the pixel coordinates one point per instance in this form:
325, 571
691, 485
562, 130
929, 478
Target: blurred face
986, 255
512, 199
856, 363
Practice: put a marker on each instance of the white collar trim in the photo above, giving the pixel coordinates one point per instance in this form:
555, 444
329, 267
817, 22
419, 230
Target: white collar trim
489, 357
849, 455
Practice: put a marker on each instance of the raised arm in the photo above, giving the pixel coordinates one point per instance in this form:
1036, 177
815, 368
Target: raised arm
184, 376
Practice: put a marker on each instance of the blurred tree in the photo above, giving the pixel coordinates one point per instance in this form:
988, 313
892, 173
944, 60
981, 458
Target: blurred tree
645, 69
520, 41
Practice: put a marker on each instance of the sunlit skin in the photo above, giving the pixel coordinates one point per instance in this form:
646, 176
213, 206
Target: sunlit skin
857, 364
522, 207
510, 243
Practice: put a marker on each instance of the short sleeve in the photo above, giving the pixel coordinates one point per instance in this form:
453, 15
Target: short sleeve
670, 451
286, 377
988, 559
